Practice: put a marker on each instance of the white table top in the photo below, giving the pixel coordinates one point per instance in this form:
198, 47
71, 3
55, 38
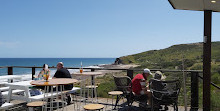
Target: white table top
21, 83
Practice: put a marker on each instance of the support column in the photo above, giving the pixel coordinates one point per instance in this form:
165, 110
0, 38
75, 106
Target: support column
207, 59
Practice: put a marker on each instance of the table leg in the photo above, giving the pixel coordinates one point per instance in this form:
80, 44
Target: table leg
27, 94
51, 100
9, 94
57, 96
46, 89
93, 88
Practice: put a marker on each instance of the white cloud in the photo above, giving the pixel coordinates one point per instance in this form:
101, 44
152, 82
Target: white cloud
9, 44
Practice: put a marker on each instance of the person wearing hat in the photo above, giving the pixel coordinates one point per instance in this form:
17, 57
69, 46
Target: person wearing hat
157, 84
139, 82
158, 75
139, 87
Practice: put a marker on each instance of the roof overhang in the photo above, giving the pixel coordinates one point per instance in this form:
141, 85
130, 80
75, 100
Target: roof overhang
197, 5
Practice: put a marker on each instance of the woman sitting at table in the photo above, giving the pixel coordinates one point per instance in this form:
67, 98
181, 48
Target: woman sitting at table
44, 72
42, 75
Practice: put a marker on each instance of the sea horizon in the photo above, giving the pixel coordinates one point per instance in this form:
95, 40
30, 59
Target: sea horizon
38, 62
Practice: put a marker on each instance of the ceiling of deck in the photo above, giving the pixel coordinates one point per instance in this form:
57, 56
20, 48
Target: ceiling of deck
198, 5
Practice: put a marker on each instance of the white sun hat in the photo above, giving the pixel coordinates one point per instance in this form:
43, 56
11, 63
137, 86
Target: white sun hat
147, 71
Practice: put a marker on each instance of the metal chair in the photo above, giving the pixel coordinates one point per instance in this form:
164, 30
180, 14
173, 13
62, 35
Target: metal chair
164, 93
123, 83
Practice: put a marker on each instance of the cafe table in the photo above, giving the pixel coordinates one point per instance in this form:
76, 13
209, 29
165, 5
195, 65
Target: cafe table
92, 86
59, 90
22, 85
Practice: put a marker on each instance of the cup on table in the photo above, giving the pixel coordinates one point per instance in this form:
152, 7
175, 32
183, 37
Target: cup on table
46, 77
81, 70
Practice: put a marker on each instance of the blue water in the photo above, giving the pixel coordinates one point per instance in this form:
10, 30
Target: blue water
68, 62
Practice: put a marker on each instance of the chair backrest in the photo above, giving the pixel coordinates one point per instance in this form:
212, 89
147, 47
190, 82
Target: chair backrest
123, 83
162, 89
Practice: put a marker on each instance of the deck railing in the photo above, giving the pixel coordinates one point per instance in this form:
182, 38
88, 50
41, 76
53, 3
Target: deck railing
194, 74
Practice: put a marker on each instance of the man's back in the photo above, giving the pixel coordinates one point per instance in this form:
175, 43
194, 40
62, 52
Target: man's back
136, 86
64, 73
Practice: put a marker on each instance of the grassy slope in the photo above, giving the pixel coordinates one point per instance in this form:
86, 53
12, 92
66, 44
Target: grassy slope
172, 57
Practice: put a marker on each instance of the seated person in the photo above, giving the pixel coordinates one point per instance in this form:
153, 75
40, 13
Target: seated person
43, 72
41, 76
158, 85
139, 87
64, 73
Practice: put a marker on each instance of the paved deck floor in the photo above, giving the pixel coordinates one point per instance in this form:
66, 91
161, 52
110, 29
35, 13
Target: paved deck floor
108, 106
78, 106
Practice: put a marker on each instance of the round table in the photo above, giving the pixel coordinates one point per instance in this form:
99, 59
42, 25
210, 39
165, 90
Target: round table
54, 82
88, 73
49, 85
92, 74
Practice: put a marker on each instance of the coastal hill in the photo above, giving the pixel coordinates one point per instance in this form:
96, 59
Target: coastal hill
173, 57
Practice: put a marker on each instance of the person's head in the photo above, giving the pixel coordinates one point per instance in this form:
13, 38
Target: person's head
45, 66
158, 75
59, 65
146, 73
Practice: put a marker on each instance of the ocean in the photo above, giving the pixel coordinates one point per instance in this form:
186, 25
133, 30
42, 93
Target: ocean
68, 62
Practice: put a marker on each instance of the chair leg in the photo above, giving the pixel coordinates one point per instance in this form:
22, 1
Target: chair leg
175, 107
129, 100
96, 94
152, 104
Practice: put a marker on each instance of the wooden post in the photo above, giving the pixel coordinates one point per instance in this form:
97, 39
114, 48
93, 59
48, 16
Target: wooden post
194, 91
33, 72
207, 60
92, 70
10, 70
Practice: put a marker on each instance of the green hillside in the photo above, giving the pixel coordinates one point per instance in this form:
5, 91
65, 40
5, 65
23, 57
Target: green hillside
173, 57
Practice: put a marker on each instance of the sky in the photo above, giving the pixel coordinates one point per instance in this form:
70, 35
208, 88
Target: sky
95, 28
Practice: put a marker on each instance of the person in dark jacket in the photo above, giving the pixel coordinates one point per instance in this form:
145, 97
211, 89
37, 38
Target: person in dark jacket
64, 73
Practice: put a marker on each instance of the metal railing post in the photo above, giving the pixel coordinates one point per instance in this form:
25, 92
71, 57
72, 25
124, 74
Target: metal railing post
92, 70
194, 91
33, 72
10, 70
